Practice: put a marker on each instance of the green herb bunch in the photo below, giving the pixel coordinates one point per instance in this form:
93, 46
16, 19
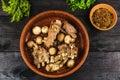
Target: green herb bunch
17, 9
80, 4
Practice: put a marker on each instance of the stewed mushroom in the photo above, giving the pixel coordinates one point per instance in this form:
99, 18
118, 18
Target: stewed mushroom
30, 44
45, 29
52, 51
60, 37
67, 39
39, 40
36, 30
57, 49
70, 63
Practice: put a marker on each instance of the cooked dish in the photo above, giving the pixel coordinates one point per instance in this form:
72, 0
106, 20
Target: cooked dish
53, 46
102, 18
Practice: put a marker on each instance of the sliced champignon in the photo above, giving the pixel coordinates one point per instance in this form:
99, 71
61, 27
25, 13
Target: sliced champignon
74, 36
64, 56
40, 58
60, 37
45, 29
57, 58
44, 39
72, 56
30, 44
38, 66
67, 39
52, 51
73, 40
47, 68
35, 46
72, 45
64, 61
52, 67
70, 63
56, 22
55, 67
36, 30
74, 52
39, 40
43, 64
58, 62
52, 59
61, 65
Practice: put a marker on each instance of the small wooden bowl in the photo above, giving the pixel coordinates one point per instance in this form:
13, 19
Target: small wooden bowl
108, 7
45, 18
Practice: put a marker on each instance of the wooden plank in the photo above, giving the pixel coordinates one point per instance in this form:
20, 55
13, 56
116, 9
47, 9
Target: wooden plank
99, 40
43, 5
103, 61
98, 66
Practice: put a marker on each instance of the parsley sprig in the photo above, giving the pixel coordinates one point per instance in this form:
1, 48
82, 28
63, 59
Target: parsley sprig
80, 4
17, 9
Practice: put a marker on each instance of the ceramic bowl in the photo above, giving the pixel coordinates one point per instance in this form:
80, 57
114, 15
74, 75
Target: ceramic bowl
44, 18
110, 9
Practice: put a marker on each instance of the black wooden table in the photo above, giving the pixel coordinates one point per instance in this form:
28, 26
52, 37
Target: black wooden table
103, 61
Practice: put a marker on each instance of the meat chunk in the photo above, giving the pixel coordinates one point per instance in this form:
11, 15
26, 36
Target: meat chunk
40, 55
71, 50
70, 29
52, 33
63, 48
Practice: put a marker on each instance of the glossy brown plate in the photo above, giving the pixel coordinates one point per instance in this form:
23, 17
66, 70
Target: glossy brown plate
45, 18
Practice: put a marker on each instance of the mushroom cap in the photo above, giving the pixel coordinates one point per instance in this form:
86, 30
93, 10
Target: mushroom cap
70, 63
45, 29
60, 37
39, 40
52, 51
36, 30
30, 44
67, 39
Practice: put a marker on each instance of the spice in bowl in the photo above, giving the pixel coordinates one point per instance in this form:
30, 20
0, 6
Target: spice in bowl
102, 18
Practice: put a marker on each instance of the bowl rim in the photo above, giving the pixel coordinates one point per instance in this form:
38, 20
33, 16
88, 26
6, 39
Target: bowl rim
110, 8
50, 75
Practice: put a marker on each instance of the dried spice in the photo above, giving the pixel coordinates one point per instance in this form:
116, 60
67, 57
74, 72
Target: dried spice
102, 18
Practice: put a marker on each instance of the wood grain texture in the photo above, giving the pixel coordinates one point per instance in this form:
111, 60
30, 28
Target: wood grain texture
105, 41
98, 66
103, 62
10, 34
